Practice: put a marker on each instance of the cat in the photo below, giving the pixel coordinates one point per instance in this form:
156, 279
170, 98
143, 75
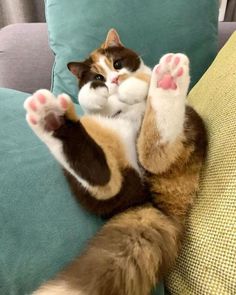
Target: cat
136, 157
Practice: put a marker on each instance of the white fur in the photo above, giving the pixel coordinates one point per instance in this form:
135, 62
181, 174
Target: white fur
126, 130
133, 90
169, 105
59, 288
93, 100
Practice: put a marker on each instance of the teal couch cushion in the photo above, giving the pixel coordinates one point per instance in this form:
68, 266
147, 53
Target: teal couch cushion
42, 227
151, 28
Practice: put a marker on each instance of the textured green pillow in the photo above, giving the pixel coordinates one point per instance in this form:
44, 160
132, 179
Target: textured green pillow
151, 28
207, 263
42, 227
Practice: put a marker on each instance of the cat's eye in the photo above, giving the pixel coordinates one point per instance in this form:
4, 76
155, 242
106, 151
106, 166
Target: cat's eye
99, 77
117, 64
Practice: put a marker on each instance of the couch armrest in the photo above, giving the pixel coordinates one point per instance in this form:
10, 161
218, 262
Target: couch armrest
25, 57
226, 29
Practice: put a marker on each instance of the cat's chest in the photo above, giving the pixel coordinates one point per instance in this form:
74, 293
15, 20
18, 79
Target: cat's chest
127, 131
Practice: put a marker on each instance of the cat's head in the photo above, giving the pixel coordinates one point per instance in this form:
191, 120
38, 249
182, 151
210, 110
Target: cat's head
111, 64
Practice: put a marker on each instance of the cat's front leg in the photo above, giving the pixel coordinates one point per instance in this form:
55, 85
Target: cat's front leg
134, 89
93, 97
161, 137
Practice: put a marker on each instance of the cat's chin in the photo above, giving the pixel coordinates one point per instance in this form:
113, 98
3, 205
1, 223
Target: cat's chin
112, 88
116, 114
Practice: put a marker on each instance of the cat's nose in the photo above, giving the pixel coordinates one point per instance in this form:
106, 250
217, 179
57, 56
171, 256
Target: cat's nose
115, 80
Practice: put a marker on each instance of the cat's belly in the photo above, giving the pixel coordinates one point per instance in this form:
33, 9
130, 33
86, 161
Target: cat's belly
127, 132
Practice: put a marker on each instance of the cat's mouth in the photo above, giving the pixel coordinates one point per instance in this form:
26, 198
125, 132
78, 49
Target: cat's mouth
116, 114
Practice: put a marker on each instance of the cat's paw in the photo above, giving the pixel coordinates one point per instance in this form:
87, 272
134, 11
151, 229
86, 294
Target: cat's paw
44, 112
93, 96
133, 90
168, 89
171, 76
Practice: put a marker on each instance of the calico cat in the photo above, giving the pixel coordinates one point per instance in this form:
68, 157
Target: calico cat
139, 134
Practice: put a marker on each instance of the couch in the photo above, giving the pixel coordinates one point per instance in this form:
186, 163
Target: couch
25, 65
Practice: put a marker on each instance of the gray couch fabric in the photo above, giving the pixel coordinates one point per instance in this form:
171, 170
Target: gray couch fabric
25, 58
225, 31
21, 11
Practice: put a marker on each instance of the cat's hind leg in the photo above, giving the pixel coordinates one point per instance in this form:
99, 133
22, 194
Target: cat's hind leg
45, 114
93, 155
172, 141
163, 123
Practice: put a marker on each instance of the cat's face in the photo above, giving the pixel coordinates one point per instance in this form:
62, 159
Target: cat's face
110, 66
110, 63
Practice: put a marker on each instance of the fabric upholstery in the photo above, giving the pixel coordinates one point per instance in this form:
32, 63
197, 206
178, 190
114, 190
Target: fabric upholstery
21, 11
25, 58
207, 263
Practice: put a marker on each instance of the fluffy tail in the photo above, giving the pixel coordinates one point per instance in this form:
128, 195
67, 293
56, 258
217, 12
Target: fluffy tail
128, 256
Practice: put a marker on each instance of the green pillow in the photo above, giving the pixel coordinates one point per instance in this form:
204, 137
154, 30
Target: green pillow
42, 226
151, 28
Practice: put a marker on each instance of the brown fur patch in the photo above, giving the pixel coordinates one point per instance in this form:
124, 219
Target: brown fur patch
115, 156
96, 84
128, 57
127, 256
132, 193
82, 153
71, 113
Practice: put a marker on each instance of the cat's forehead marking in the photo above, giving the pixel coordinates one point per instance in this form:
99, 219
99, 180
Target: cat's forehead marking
95, 56
106, 65
101, 63
98, 69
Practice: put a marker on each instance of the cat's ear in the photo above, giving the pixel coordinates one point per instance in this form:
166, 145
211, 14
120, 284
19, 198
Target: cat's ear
77, 68
112, 39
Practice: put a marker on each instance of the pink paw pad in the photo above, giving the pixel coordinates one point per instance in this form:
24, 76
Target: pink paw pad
63, 102
167, 82
41, 98
32, 105
32, 120
158, 69
180, 72
176, 60
169, 58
